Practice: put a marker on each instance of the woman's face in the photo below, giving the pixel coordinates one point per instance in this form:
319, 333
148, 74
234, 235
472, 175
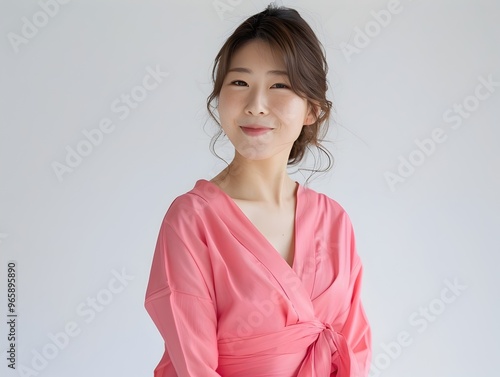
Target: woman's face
256, 94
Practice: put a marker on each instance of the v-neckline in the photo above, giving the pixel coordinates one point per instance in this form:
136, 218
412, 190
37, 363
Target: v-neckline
250, 224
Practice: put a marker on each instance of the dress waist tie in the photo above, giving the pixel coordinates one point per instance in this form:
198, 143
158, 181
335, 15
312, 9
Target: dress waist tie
328, 353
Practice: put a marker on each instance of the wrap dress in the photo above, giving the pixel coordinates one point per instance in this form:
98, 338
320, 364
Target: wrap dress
226, 303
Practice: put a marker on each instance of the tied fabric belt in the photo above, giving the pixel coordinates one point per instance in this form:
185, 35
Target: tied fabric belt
327, 352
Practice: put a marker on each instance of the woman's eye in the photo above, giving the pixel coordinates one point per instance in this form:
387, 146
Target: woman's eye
243, 83
280, 86
239, 83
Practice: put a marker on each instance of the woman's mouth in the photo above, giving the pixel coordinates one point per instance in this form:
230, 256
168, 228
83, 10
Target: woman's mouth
255, 131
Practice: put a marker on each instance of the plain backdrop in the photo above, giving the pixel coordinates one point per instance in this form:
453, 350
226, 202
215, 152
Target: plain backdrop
76, 214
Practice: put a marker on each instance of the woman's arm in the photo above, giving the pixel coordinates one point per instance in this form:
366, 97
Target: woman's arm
179, 302
356, 328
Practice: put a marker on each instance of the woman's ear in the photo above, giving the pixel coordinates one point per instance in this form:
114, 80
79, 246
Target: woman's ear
313, 112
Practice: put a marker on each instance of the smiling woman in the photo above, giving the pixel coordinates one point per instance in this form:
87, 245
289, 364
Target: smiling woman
297, 51
253, 273
256, 99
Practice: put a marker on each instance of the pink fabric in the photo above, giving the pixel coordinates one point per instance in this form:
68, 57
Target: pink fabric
227, 304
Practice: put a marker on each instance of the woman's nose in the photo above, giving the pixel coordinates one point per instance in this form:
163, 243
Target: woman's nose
257, 102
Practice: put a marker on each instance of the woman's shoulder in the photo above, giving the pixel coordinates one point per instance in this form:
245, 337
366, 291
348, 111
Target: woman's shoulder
192, 204
322, 202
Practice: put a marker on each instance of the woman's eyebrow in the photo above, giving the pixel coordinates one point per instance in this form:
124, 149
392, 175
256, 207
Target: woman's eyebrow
275, 72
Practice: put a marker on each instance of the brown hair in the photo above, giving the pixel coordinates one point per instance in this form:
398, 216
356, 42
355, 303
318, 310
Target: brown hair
291, 37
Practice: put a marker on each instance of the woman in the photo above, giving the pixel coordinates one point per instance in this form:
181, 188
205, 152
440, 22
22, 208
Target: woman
255, 274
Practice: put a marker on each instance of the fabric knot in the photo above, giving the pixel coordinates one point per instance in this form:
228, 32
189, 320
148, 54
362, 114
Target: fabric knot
329, 355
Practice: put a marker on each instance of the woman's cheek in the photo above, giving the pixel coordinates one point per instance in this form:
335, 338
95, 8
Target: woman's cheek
228, 100
286, 110
224, 104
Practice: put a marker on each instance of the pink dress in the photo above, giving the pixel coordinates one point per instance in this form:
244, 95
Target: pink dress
227, 304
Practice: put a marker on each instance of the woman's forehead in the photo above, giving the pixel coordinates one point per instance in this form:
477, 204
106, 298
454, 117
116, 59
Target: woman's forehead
257, 53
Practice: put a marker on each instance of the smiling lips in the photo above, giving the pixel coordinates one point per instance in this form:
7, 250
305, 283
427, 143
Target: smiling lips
255, 130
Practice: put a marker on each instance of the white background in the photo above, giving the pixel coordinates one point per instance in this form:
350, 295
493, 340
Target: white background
69, 236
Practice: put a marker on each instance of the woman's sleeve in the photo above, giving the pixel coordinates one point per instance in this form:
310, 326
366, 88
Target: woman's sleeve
179, 301
356, 328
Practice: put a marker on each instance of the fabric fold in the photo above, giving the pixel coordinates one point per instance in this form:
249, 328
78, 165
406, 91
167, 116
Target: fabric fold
328, 353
